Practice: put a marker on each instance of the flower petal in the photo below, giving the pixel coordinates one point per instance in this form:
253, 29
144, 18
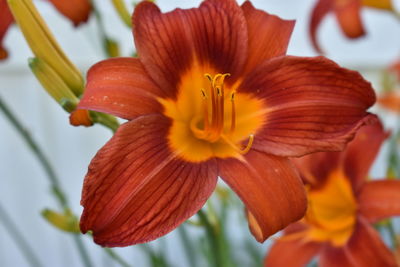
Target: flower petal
213, 36
311, 105
358, 160
320, 10
270, 188
379, 199
365, 248
77, 11
6, 19
348, 14
271, 41
293, 253
121, 87
136, 190
317, 167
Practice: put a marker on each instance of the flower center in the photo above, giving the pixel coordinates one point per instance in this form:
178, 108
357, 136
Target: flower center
210, 119
332, 210
213, 121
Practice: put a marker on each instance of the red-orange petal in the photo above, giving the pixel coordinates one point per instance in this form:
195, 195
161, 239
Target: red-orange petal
361, 153
315, 168
311, 105
136, 190
293, 253
121, 87
365, 248
348, 14
6, 19
379, 199
269, 187
320, 10
271, 41
77, 11
169, 44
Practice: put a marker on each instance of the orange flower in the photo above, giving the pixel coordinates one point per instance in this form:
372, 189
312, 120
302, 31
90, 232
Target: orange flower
76, 10
342, 206
390, 100
348, 14
211, 94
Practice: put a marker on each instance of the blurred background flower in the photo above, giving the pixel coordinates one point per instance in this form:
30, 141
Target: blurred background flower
24, 189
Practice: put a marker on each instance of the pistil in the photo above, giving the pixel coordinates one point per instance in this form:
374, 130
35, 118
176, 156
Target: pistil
214, 113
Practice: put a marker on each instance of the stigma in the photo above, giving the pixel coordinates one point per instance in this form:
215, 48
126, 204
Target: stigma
213, 125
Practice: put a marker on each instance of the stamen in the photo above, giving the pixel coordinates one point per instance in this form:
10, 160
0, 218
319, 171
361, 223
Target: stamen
249, 144
233, 117
213, 129
209, 77
240, 150
205, 110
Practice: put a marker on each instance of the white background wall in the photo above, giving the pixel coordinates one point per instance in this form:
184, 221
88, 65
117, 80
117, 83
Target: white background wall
24, 189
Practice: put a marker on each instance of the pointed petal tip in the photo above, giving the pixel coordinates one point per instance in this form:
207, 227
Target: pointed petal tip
271, 203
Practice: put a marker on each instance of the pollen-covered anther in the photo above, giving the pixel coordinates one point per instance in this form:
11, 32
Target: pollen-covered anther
211, 125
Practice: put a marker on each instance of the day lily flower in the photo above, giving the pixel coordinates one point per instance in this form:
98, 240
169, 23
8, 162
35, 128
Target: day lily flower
211, 94
77, 11
347, 13
343, 204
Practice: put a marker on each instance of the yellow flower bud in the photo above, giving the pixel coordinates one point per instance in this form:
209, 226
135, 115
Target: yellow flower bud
53, 83
44, 45
63, 221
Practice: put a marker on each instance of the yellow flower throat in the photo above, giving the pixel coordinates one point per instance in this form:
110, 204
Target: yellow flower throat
213, 124
210, 119
332, 210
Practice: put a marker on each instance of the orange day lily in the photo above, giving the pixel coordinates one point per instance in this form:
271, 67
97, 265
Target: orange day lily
343, 204
76, 10
348, 15
211, 94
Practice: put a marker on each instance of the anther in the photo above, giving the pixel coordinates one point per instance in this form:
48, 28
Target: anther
203, 93
233, 113
209, 77
218, 91
248, 146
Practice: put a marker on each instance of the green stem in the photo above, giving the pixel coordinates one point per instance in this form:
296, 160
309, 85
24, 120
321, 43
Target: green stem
106, 120
188, 246
55, 184
392, 233
102, 31
212, 237
123, 12
116, 257
19, 239
82, 251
